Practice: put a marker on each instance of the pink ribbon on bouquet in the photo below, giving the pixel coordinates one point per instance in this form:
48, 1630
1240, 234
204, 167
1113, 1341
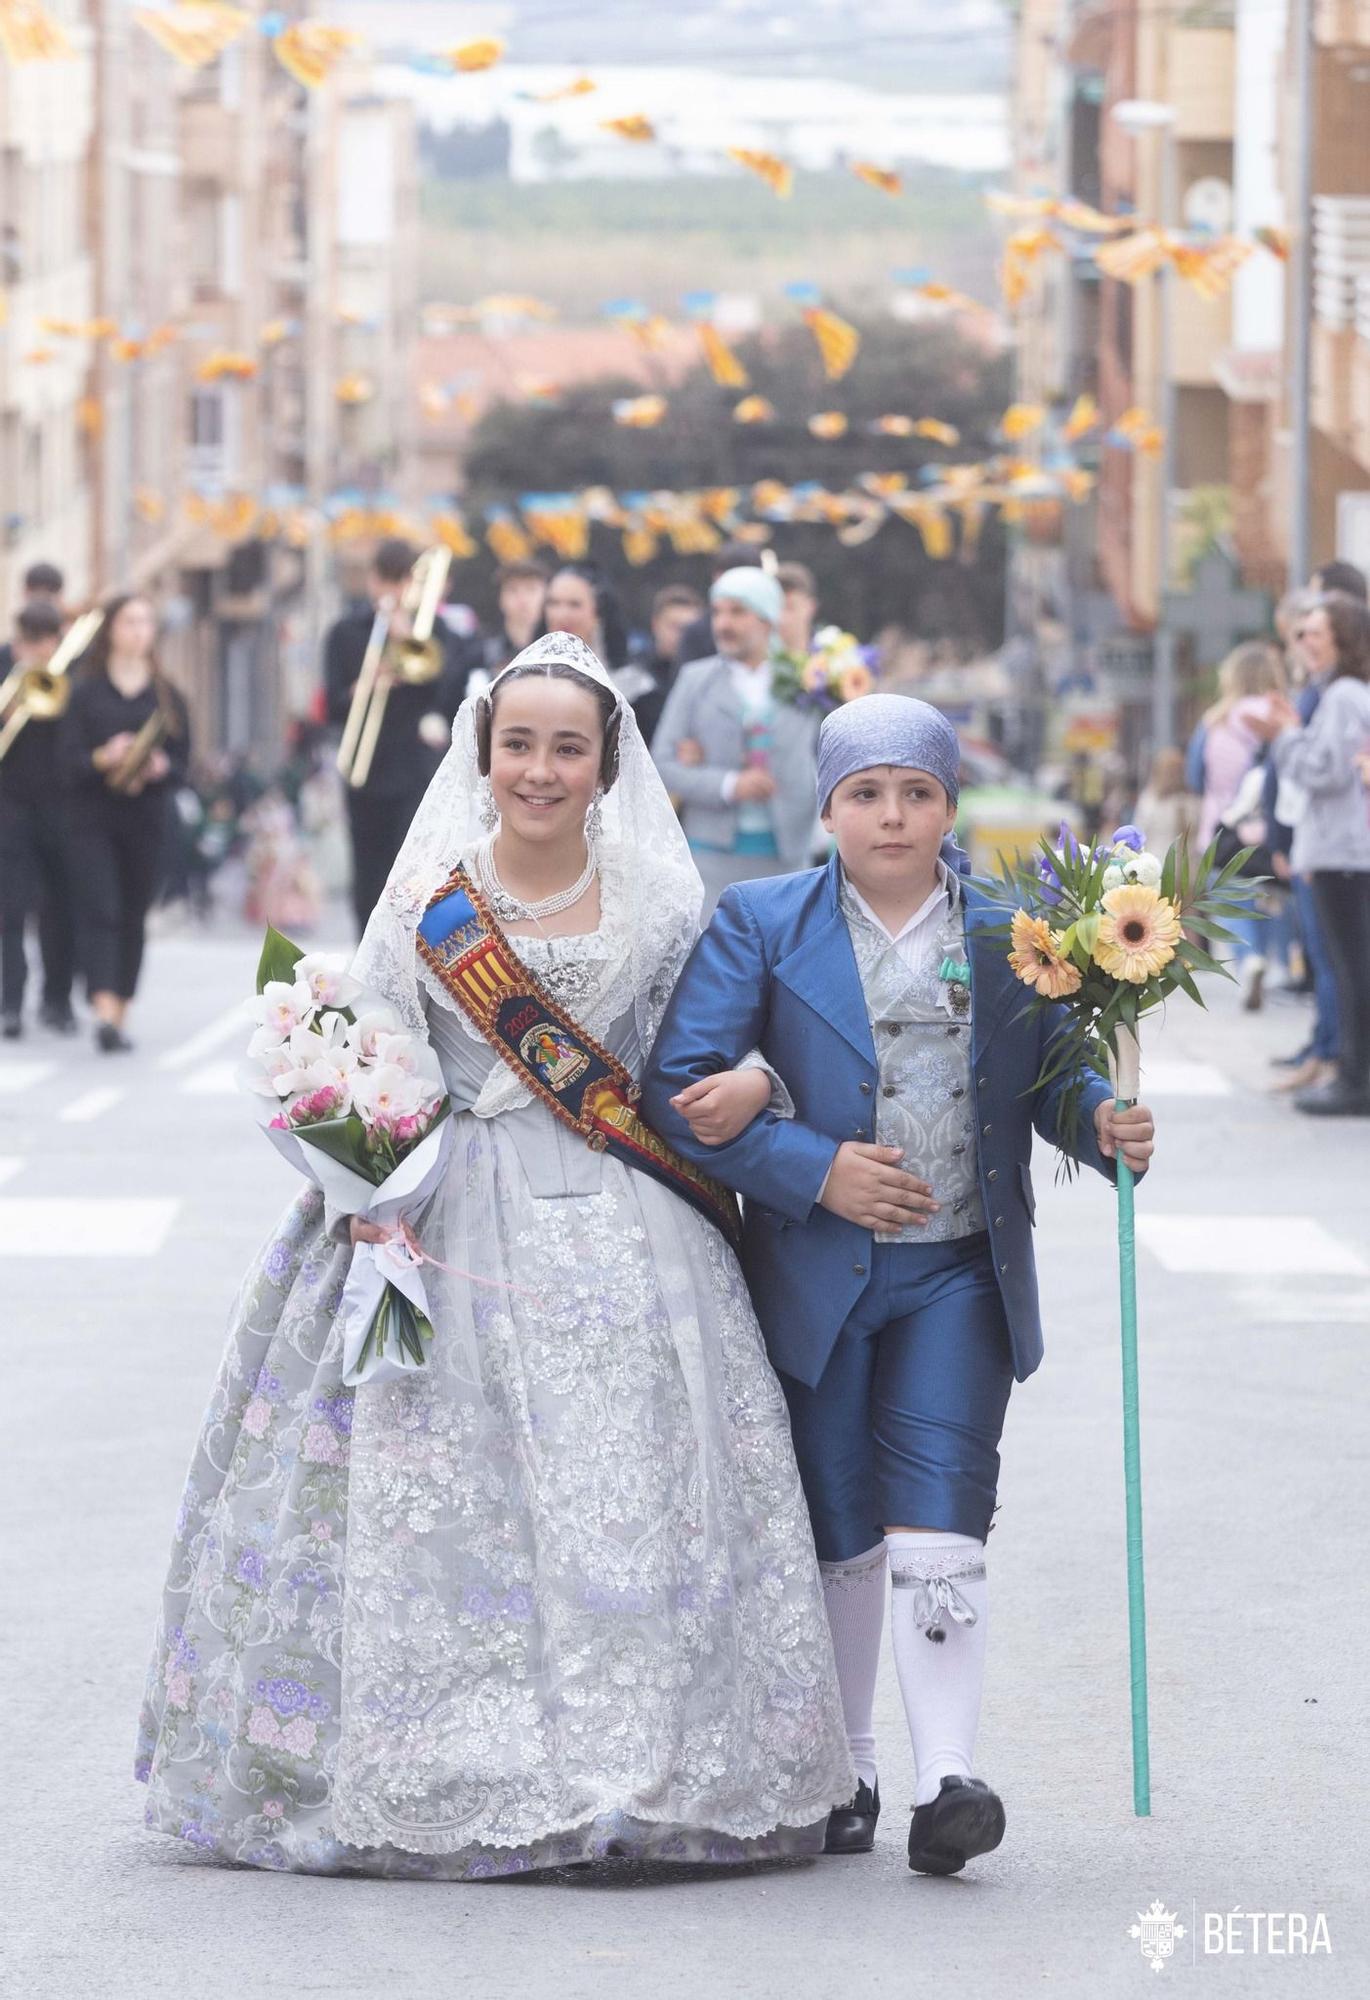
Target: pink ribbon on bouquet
403, 1233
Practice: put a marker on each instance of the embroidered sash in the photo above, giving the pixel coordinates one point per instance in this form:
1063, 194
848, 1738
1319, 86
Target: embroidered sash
586, 1087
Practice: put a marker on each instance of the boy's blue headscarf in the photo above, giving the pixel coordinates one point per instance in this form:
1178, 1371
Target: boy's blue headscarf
893, 729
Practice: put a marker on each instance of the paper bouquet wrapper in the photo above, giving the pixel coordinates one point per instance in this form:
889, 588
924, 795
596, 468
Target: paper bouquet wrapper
1125, 1065
374, 1265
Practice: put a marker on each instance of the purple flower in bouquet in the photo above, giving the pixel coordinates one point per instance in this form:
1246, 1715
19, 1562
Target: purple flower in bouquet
1129, 836
1049, 879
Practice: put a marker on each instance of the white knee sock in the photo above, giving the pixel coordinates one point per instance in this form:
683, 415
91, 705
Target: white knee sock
939, 1607
854, 1594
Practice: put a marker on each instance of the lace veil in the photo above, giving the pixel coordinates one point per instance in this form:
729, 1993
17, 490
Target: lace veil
650, 891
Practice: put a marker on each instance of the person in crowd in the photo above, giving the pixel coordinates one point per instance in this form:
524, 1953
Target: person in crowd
522, 592
1325, 759
569, 1554
1225, 748
888, 1221
697, 641
415, 732
581, 600
739, 760
1165, 806
44, 583
799, 612
650, 674
1315, 1060
35, 856
1340, 576
124, 747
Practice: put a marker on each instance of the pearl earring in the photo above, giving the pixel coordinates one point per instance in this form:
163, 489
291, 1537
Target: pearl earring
488, 810
594, 818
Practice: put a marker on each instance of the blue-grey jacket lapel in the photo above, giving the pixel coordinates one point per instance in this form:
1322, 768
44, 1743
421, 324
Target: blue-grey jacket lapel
997, 996
822, 971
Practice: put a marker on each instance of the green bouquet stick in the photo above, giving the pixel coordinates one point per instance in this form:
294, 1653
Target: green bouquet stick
1125, 1064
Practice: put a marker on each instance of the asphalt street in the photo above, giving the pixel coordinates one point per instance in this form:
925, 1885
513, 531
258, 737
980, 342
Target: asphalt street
134, 1190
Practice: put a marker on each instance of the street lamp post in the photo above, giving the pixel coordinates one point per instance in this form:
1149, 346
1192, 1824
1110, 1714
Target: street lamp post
1139, 116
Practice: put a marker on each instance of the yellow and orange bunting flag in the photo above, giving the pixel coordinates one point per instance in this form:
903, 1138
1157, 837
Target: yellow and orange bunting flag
1134, 421
297, 525
753, 410
972, 516
1020, 204
28, 33
194, 35
451, 531
352, 390
778, 174
1276, 241
40, 356
580, 86
1091, 221
90, 415
566, 530
651, 332
724, 365
691, 535
1078, 483
434, 400
639, 413
640, 544
512, 305
1129, 259
894, 426
79, 329
539, 390
223, 364
938, 294
468, 58
1020, 420
504, 537
883, 178
232, 518
936, 432
828, 424
866, 518
718, 503
930, 518
1150, 442
123, 349
161, 337
838, 341
1211, 267
1082, 419
634, 127
884, 484
149, 505
311, 51
769, 493
1030, 244
274, 332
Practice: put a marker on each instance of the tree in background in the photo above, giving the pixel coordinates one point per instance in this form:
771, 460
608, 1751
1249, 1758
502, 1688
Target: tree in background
915, 371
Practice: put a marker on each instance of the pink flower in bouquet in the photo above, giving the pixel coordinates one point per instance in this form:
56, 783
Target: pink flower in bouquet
283, 1007
329, 1100
326, 980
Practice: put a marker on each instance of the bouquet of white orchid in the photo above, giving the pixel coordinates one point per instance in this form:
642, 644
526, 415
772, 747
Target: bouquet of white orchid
357, 1103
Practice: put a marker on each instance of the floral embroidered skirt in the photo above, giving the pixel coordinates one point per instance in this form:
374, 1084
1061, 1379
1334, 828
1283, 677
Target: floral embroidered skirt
551, 1598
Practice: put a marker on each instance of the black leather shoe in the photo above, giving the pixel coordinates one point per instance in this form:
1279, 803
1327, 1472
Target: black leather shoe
966, 1818
110, 1041
851, 1828
1334, 1100
11, 1027
58, 1017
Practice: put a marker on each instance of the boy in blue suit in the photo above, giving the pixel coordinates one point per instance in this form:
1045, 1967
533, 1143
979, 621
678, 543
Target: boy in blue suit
889, 1213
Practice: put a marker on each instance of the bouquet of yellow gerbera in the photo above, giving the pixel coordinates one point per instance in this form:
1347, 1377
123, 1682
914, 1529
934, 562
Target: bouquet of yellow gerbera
1109, 933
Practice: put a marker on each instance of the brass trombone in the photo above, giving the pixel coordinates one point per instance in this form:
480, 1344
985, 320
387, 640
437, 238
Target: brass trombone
41, 694
415, 660
127, 775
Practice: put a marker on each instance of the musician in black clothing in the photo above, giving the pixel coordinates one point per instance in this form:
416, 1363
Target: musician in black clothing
414, 735
35, 861
124, 747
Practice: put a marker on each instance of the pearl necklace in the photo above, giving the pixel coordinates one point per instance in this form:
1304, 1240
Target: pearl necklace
510, 909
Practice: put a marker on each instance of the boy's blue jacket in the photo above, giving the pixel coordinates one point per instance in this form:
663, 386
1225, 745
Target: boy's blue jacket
775, 970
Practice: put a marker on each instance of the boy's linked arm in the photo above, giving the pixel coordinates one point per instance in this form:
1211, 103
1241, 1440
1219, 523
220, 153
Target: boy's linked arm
717, 1016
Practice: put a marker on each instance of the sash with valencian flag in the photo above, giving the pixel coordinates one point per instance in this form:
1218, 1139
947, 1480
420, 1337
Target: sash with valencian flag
586, 1087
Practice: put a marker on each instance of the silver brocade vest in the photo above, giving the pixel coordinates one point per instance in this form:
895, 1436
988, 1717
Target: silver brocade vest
921, 1027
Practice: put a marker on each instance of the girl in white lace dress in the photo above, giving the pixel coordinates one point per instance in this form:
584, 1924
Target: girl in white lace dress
553, 1596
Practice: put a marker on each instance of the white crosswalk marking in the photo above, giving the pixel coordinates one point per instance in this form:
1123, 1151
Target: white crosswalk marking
1165, 1078
1249, 1246
17, 1076
91, 1104
97, 1227
209, 1038
9, 1167
217, 1079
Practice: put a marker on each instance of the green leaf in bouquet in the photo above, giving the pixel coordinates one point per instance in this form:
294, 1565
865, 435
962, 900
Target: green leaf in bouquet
1087, 932
344, 1140
279, 958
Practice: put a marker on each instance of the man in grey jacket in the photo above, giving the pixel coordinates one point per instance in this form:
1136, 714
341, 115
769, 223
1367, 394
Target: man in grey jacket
740, 762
